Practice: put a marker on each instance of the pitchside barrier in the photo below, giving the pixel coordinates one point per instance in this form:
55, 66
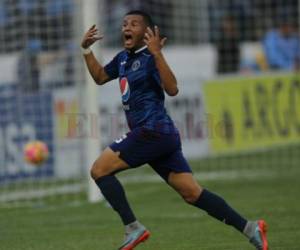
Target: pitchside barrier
229, 114
253, 112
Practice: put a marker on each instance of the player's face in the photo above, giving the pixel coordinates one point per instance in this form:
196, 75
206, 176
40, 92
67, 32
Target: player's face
133, 31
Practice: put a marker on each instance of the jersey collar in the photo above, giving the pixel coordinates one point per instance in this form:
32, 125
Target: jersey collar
133, 53
140, 49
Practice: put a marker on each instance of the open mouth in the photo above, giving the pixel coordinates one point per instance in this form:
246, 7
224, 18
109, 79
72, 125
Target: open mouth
128, 39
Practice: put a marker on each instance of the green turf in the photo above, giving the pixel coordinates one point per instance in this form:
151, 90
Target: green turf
174, 225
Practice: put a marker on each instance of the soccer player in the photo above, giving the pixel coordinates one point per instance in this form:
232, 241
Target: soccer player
144, 76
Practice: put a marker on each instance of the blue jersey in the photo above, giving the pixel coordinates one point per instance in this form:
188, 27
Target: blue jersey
141, 90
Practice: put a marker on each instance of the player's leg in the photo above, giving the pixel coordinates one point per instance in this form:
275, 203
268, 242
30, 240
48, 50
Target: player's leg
177, 173
217, 207
214, 205
132, 150
102, 172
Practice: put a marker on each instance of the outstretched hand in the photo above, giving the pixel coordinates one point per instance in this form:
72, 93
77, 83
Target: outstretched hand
153, 41
90, 37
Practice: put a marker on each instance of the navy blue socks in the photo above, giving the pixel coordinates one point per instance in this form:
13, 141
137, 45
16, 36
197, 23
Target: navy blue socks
114, 193
217, 207
214, 205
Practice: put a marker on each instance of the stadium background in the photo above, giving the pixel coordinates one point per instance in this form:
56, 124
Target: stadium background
240, 123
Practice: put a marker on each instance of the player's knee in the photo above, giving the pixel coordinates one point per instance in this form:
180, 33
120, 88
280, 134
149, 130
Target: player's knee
97, 171
191, 195
93, 171
190, 198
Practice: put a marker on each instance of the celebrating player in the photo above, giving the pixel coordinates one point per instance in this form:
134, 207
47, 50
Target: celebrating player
144, 76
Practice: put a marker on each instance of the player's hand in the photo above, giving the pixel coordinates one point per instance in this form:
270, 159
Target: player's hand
153, 41
90, 37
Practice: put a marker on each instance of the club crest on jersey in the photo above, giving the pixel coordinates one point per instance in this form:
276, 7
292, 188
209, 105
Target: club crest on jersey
136, 65
125, 90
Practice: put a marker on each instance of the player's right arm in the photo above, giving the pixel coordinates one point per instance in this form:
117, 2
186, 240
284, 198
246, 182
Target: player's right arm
95, 68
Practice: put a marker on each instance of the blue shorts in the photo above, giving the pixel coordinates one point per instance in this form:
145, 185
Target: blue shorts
161, 151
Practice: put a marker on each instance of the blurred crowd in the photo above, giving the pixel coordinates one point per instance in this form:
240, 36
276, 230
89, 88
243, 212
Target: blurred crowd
42, 31
48, 23
274, 24
279, 47
35, 26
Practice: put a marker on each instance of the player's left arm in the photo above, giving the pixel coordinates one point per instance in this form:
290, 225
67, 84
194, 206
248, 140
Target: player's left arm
155, 44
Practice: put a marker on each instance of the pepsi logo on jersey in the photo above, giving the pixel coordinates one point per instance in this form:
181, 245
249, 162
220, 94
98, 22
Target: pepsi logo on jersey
125, 90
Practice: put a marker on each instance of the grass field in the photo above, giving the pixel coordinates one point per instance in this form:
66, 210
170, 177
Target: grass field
265, 187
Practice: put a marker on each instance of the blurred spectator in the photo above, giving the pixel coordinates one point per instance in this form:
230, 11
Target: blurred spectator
28, 67
3, 24
228, 46
58, 23
282, 46
9, 33
3, 15
31, 15
242, 11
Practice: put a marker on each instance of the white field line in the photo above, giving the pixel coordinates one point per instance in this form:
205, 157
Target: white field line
203, 176
15, 195
40, 193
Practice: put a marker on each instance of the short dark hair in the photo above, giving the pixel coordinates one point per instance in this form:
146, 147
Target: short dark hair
147, 18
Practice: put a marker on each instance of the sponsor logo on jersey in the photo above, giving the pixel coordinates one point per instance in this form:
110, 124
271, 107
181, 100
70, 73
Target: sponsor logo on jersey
136, 65
125, 90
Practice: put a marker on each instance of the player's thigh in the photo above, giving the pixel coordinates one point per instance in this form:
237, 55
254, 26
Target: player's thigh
173, 162
186, 185
107, 163
175, 170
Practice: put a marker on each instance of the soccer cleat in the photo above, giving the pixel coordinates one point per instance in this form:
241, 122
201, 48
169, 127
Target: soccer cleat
136, 237
259, 240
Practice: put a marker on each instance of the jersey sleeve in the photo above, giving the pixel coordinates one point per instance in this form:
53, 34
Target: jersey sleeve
112, 68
